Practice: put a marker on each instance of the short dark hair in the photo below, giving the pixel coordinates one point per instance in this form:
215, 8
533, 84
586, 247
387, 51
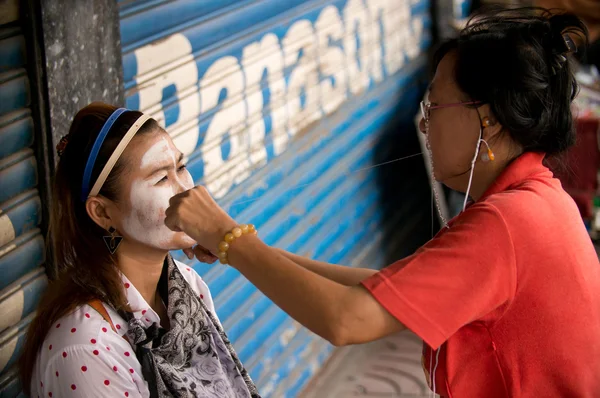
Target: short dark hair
514, 60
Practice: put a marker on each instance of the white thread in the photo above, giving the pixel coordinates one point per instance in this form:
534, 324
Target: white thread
434, 189
347, 174
430, 372
473, 168
437, 356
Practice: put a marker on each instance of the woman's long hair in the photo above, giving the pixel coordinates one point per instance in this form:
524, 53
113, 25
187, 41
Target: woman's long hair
82, 268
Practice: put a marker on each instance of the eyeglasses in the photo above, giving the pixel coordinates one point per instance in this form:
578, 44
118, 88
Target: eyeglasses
426, 107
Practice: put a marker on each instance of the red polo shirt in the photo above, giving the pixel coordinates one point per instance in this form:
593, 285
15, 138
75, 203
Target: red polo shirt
508, 296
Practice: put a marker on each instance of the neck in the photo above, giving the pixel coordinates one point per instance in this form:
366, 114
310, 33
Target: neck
484, 175
143, 267
483, 180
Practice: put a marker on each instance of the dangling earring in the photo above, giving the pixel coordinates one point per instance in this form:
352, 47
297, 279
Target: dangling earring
113, 241
487, 156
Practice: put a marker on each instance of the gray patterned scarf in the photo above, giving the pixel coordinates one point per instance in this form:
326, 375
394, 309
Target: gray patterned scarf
192, 359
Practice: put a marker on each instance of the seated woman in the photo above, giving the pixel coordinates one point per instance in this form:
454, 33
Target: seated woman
123, 318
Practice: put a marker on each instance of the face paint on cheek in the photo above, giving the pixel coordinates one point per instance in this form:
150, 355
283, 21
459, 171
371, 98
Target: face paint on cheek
145, 222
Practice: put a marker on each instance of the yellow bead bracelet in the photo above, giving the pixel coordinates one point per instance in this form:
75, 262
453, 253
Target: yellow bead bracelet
244, 229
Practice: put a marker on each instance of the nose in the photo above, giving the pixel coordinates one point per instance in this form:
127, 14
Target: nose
422, 128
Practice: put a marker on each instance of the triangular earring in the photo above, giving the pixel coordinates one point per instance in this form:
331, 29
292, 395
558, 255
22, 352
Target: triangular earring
113, 241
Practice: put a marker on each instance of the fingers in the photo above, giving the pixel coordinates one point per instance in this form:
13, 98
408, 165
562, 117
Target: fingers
189, 252
204, 255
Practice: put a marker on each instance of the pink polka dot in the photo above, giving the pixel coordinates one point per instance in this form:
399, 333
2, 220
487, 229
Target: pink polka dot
147, 320
84, 368
57, 373
188, 269
130, 370
143, 312
127, 285
108, 348
202, 296
50, 394
87, 315
50, 347
115, 368
106, 382
73, 330
57, 325
126, 353
118, 326
64, 354
93, 341
126, 394
96, 352
104, 330
73, 387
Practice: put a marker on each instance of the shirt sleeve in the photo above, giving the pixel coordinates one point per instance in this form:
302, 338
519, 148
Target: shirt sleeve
458, 277
81, 371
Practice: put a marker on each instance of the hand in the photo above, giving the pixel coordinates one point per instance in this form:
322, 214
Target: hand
197, 214
203, 255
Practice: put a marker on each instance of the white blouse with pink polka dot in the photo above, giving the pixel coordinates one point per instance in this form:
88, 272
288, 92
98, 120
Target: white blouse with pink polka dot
83, 357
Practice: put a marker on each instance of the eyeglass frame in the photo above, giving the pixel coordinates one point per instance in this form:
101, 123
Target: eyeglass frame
426, 107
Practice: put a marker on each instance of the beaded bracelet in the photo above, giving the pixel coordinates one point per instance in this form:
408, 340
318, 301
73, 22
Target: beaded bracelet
235, 233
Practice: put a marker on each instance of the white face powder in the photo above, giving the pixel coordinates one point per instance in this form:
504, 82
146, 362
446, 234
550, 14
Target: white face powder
150, 196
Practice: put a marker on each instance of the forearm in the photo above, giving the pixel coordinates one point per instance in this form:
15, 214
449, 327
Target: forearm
348, 276
311, 299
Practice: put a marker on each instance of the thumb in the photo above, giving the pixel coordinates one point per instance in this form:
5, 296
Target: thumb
172, 222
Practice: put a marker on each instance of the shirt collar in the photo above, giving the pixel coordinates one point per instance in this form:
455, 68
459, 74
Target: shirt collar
139, 307
522, 168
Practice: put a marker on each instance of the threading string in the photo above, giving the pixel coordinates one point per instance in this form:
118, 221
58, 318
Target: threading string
433, 181
346, 174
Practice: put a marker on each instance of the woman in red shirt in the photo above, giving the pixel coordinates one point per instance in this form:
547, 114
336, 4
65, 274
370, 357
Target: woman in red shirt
507, 297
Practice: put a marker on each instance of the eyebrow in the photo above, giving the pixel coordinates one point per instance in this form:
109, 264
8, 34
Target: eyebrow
167, 166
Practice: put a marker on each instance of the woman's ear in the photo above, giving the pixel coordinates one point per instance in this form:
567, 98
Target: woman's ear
98, 210
489, 123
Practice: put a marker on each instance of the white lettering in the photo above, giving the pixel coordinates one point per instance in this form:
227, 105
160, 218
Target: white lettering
170, 63
227, 128
248, 98
258, 58
329, 25
357, 21
304, 79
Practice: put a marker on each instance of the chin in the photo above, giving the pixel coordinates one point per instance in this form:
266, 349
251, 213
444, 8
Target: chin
181, 241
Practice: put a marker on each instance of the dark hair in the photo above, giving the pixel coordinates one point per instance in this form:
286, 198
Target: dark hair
517, 61
82, 268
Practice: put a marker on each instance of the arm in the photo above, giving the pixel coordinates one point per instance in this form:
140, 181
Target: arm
80, 372
348, 276
332, 310
341, 314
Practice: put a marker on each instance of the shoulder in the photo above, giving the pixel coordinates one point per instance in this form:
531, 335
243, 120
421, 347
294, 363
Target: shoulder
79, 347
82, 332
196, 283
532, 202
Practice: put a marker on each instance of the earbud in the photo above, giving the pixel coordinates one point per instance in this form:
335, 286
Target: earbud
487, 156
486, 122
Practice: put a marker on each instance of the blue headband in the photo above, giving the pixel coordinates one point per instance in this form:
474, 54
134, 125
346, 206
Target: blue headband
89, 167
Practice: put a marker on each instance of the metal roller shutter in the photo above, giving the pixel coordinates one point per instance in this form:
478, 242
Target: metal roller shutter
278, 106
22, 251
